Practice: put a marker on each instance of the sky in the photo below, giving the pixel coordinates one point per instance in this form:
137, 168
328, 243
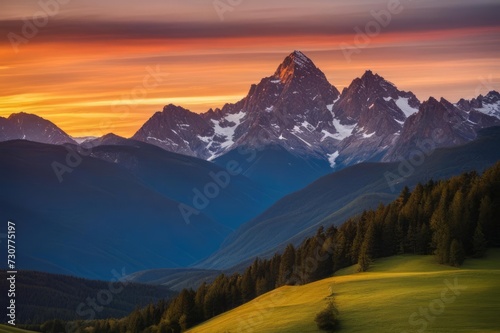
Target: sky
94, 67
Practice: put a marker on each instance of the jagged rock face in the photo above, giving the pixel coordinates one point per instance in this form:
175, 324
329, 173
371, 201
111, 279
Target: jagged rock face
432, 122
373, 91
177, 129
299, 110
375, 110
289, 108
443, 124
33, 128
440, 124
488, 105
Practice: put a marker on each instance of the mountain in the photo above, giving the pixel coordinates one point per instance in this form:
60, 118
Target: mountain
274, 168
30, 127
289, 108
372, 111
107, 139
443, 124
337, 196
489, 104
187, 180
298, 110
292, 127
82, 139
314, 126
177, 130
102, 216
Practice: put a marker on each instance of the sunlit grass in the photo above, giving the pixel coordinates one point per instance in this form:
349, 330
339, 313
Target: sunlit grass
380, 300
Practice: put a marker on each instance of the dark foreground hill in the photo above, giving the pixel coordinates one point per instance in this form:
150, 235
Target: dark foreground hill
42, 296
100, 215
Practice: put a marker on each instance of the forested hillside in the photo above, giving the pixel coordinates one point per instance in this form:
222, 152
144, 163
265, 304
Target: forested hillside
452, 219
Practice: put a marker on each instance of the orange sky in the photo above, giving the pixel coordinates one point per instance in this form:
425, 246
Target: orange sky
81, 79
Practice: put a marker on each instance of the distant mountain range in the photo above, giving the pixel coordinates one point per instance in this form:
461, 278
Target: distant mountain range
297, 109
25, 126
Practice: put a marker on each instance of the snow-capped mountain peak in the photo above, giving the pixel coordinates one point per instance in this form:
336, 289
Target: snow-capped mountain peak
297, 64
298, 109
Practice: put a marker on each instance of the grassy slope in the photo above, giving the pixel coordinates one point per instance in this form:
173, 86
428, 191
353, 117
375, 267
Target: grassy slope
380, 300
11, 329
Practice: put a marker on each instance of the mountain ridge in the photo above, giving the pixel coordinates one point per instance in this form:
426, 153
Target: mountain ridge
298, 109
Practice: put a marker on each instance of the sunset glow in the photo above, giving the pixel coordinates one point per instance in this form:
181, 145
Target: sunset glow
91, 63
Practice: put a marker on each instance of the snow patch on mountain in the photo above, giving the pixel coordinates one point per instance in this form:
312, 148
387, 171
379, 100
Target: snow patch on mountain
343, 131
206, 139
307, 126
300, 59
332, 157
82, 139
167, 141
491, 109
403, 104
366, 136
228, 131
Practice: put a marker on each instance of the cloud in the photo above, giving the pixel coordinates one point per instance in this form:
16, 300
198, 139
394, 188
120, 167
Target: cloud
411, 19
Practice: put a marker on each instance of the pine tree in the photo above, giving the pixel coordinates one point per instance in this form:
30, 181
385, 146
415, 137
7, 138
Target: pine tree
441, 231
199, 302
424, 239
457, 255
485, 219
261, 286
286, 265
456, 216
247, 286
403, 197
479, 242
389, 241
358, 240
366, 251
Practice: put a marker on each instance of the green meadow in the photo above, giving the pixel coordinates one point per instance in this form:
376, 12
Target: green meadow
398, 294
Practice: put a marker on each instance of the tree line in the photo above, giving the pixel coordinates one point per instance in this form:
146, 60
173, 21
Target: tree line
452, 219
